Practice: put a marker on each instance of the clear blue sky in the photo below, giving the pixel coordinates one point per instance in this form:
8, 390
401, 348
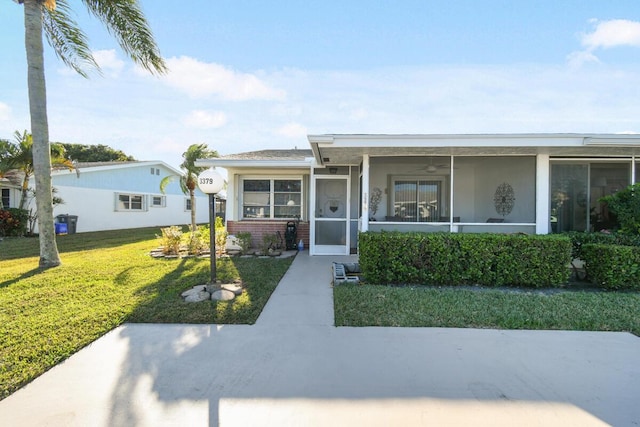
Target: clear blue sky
248, 75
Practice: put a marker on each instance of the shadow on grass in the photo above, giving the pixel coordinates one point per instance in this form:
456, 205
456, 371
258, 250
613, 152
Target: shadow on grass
161, 301
23, 276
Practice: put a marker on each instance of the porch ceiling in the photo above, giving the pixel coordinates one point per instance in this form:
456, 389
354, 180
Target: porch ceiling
349, 149
353, 156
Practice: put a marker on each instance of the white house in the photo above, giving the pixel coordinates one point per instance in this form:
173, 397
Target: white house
531, 183
121, 195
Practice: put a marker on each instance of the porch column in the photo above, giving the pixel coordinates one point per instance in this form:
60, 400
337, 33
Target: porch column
543, 172
364, 220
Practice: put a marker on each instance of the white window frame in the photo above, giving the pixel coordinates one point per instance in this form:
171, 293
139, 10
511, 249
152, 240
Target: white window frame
272, 204
163, 201
8, 198
120, 204
187, 203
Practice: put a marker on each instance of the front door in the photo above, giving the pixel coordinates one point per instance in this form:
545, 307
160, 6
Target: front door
329, 223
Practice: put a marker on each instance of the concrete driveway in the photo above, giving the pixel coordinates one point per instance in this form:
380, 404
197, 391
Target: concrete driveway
294, 368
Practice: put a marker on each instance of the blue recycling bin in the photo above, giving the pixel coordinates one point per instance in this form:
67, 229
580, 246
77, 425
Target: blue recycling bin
70, 222
61, 228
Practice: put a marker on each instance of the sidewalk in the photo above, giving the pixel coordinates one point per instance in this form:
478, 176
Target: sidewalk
304, 296
292, 368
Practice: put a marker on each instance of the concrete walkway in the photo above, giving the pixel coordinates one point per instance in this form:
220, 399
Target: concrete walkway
293, 368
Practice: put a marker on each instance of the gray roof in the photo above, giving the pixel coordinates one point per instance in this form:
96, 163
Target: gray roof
294, 154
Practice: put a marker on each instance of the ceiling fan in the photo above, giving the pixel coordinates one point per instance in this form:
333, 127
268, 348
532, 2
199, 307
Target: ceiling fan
433, 168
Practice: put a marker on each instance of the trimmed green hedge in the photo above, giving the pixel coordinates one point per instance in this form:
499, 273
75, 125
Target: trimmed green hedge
580, 238
612, 266
464, 259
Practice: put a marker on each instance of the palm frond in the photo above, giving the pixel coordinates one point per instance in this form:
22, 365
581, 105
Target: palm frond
126, 22
166, 181
67, 39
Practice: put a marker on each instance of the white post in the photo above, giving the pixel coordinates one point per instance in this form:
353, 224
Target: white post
542, 194
365, 193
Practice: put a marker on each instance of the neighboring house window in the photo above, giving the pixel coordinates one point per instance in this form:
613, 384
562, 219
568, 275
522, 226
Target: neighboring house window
6, 200
271, 198
417, 200
157, 171
130, 202
158, 201
187, 204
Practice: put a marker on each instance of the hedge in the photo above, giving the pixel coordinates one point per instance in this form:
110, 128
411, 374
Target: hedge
612, 266
13, 222
464, 259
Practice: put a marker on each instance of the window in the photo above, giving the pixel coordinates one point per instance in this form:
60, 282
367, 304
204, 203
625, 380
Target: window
416, 200
271, 198
130, 202
187, 204
6, 199
158, 201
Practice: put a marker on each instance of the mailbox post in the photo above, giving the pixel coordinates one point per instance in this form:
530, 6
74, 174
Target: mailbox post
211, 182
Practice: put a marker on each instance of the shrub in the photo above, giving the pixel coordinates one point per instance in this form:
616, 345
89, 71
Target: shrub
13, 222
459, 259
579, 239
625, 205
612, 266
221, 236
171, 239
244, 240
198, 240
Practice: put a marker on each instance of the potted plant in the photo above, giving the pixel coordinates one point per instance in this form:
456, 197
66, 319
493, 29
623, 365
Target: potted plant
374, 201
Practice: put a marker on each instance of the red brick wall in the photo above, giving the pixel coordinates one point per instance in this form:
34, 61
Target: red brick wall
259, 228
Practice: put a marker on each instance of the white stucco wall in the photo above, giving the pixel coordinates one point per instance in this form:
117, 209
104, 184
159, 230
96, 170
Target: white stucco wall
96, 210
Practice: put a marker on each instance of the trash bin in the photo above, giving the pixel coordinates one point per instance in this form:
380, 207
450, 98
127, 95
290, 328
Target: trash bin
71, 222
61, 228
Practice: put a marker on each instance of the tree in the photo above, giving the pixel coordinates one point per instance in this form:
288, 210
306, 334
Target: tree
18, 156
189, 178
125, 21
95, 153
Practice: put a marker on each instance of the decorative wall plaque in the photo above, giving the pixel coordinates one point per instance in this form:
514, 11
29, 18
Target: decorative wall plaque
504, 199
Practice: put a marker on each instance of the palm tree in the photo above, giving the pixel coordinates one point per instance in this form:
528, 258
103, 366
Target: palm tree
125, 21
18, 157
189, 178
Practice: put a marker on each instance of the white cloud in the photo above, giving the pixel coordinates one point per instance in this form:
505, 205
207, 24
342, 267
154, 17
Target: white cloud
5, 112
606, 34
201, 79
292, 130
616, 32
108, 62
576, 59
205, 119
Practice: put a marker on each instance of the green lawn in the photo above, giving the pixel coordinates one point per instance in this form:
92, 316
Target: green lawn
107, 278
369, 305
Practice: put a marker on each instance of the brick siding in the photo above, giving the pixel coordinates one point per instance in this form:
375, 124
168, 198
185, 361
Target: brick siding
260, 228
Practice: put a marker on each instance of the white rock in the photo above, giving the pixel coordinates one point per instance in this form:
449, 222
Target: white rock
236, 289
222, 295
200, 296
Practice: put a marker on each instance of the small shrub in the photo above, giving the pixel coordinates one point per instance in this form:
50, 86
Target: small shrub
269, 241
221, 236
579, 239
625, 205
13, 222
171, 239
198, 240
244, 240
612, 266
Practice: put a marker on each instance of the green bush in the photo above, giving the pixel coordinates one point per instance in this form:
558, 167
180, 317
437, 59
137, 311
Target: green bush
13, 222
579, 238
170, 240
464, 259
612, 266
625, 205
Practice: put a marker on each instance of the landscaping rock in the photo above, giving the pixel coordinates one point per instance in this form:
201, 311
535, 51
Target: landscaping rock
222, 295
194, 290
236, 289
198, 297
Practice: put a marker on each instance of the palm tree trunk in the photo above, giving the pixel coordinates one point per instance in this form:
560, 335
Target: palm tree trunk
192, 196
49, 256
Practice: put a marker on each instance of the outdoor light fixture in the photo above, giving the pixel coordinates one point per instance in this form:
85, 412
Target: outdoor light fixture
211, 182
